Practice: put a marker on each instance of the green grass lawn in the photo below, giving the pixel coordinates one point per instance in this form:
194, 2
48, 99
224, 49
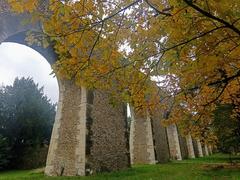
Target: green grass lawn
214, 167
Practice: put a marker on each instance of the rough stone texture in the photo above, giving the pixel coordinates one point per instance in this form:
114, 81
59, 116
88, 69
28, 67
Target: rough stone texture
183, 146
190, 148
66, 154
107, 140
200, 150
63, 156
141, 139
108, 143
160, 139
173, 141
89, 134
197, 148
206, 150
210, 150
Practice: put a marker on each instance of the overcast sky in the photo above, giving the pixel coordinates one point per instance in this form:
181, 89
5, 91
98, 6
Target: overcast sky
22, 61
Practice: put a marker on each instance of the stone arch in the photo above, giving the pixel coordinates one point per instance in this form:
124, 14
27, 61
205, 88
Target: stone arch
89, 134
13, 30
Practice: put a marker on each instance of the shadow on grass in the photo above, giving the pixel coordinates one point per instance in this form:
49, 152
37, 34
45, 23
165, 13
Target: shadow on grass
227, 158
221, 170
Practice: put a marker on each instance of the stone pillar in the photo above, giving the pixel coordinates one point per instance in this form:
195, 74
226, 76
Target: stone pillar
210, 150
183, 146
199, 148
107, 145
66, 155
191, 153
141, 139
88, 136
206, 150
160, 138
173, 141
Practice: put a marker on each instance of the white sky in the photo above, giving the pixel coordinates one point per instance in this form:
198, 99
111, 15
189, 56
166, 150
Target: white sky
22, 61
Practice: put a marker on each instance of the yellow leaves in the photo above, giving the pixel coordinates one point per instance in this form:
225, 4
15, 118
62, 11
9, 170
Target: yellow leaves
21, 6
177, 47
16, 6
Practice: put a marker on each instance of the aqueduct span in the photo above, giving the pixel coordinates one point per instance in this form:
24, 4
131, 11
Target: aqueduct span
89, 134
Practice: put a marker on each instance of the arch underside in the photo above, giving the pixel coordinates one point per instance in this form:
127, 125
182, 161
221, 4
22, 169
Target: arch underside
88, 135
13, 29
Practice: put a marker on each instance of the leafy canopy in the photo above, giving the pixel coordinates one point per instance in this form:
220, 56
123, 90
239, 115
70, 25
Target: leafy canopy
190, 47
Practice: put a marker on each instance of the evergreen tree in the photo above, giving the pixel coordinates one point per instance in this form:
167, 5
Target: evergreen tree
26, 116
4, 152
227, 129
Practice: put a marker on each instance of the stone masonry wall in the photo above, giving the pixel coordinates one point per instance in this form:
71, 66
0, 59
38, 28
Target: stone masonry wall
107, 141
160, 139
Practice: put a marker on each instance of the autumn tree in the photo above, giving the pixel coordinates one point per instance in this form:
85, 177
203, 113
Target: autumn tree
190, 48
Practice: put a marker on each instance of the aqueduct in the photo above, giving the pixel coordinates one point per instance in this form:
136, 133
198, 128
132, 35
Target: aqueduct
89, 134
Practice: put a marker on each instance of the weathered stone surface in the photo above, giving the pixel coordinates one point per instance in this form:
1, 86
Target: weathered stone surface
89, 134
210, 150
197, 148
160, 139
183, 146
173, 141
141, 139
70, 153
190, 148
108, 147
206, 153
67, 148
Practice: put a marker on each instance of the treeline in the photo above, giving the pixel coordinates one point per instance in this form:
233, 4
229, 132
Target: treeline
227, 129
26, 120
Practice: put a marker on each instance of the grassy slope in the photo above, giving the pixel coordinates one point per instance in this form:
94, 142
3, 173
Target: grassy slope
200, 168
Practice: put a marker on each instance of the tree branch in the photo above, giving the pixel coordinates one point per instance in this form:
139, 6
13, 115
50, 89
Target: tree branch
205, 13
158, 11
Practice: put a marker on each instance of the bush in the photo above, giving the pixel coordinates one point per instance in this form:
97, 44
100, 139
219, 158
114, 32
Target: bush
4, 152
